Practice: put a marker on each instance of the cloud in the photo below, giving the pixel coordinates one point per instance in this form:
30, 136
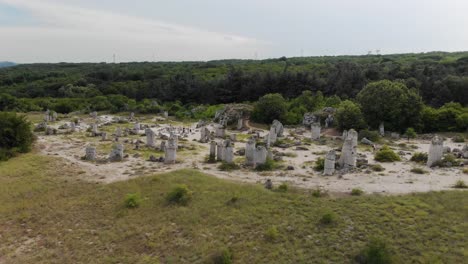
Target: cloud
69, 33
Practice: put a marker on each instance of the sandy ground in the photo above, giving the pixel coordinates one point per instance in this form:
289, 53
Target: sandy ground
395, 179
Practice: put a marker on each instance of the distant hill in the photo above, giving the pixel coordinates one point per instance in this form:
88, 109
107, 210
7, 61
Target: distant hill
4, 64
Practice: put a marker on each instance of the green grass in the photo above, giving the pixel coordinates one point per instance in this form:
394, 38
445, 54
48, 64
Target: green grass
48, 215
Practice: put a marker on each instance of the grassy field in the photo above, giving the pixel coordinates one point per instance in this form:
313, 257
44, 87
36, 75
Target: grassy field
47, 215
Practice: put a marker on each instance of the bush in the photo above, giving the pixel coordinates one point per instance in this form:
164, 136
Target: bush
319, 164
228, 166
267, 166
418, 171
349, 116
272, 234
465, 170
132, 200
283, 187
356, 192
328, 219
460, 184
15, 135
318, 193
370, 135
385, 154
410, 133
224, 256
375, 252
179, 195
458, 139
377, 167
419, 157
268, 108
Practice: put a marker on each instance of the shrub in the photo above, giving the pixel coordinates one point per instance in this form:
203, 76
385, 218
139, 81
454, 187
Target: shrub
318, 193
377, 167
328, 219
179, 195
267, 166
460, 184
419, 157
356, 192
375, 252
272, 233
385, 154
410, 133
458, 139
319, 164
370, 135
465, 170
132, 200
228, 166
15, 135
224, 256
418, 171
283, 187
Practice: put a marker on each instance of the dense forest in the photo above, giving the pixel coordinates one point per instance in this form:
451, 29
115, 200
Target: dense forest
425, 89
438, 77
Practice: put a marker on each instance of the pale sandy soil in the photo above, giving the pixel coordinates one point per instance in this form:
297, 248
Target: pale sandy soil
395, 179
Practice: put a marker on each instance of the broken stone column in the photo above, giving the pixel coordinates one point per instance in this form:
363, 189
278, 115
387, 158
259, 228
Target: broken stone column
171, 151
166, 114
149, 137
233, 137
47, 116
436, 151
212, 151
315, 127
382, 129
465, 151
93, 114
240, 124
53, 117
50, 131
329, 167
272, 136
72, 127
118, 132
117, 153
260, 155
349, 151
250, 151
103, 136
278, 128
220, 131
136, 127
132, 115
345, 135
90, 153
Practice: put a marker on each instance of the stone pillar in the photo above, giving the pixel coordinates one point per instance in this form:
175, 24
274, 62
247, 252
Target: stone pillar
345, 135
94, 129
233, 137
250, 151
47, 116
132, 115
136, 127
329, 167
260, 155
278, 128
272, 137
117, 153
204, 134
166, 114
229, 154
349, 150
220, 131
103, 136
54, 116
382, 129
315, 127
149, 137
171, 151
162, 147
212, 150
240, 124
436, 151
90, 153
72, 127
93, 114
118, 132
220, 151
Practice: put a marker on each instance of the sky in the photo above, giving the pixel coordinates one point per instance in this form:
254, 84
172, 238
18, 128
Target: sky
181, 30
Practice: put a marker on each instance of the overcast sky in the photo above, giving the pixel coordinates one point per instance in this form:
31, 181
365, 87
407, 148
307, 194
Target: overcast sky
162, 30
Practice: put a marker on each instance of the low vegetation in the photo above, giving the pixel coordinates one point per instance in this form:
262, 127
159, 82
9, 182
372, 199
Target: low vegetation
48, 213
460, 184
386, 154
319, 164
132, 200
376, 251
228, 166
357, 192
419, 157
377, 167
418, 171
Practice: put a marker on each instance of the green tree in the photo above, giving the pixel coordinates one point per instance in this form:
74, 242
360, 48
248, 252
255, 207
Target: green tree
410, 133
392, 103
15, 135
349, 116
269, 107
